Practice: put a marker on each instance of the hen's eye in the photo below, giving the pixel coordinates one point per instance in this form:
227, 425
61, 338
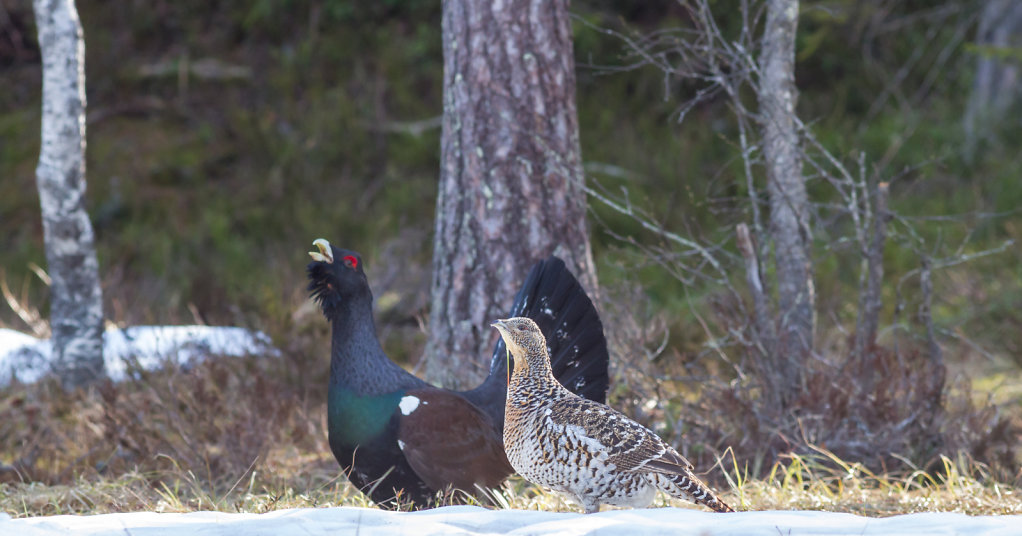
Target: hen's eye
350, 261
521, 327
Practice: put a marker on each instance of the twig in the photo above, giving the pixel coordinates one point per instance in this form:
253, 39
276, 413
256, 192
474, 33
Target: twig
40, 328
761, 309
659, 230
415, 128
925, 312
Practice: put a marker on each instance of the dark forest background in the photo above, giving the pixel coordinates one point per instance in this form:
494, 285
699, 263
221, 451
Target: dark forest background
223, 137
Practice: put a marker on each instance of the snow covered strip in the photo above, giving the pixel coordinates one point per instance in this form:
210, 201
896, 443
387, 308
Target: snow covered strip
28, 359
471, 520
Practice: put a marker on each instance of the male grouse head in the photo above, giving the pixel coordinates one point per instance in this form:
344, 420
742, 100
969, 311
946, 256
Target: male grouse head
335, 276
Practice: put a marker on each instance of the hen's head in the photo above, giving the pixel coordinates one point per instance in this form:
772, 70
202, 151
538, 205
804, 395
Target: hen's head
525, 342
335, 275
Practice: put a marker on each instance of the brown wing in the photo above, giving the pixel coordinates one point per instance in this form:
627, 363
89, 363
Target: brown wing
629, 445
448, 441
669, 462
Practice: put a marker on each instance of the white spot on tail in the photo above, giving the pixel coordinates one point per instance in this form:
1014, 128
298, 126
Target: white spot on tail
400, 444
408, 404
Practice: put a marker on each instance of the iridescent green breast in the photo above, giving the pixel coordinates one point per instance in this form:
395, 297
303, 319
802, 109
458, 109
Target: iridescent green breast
354, 419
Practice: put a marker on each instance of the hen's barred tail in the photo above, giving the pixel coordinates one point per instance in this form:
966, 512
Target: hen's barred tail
687, 486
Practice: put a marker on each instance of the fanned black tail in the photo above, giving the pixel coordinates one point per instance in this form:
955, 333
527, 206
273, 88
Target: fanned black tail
555, 300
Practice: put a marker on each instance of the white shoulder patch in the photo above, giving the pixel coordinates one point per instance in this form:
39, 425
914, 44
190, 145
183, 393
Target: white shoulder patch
400, 444
408, 404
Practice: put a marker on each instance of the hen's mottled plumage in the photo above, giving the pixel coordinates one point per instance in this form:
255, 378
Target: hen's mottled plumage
586, 449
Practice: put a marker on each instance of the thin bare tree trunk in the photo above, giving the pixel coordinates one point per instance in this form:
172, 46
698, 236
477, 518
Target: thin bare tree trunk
76, 315
511, 174
870, 298
996, 85
789, 206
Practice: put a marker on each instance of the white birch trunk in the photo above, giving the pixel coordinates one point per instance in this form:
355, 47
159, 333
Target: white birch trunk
76, 315
995, 88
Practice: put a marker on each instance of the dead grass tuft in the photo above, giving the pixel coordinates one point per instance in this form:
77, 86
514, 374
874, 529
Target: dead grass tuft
201, 435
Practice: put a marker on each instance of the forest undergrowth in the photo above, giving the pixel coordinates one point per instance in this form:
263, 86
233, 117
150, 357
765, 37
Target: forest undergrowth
248, 434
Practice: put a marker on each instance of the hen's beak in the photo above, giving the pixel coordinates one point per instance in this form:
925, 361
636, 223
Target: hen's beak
502, 328
325, 254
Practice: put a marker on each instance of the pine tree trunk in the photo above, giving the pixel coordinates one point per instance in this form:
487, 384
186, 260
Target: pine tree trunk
76, 311
789, 205
511, 175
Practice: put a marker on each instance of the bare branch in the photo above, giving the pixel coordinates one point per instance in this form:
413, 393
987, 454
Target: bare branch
762, 315
925, 314
630, 211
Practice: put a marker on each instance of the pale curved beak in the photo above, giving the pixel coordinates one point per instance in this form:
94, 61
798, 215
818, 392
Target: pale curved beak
325, 254
502, 329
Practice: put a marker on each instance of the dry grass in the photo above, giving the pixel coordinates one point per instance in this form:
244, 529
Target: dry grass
176, 492
891, 411
823, 481
310, 481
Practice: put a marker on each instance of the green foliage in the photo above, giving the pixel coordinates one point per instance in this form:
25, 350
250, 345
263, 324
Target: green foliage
192, 193
192, 183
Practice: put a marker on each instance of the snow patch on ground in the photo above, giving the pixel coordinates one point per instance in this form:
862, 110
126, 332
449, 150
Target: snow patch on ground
471, 520
28, 359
